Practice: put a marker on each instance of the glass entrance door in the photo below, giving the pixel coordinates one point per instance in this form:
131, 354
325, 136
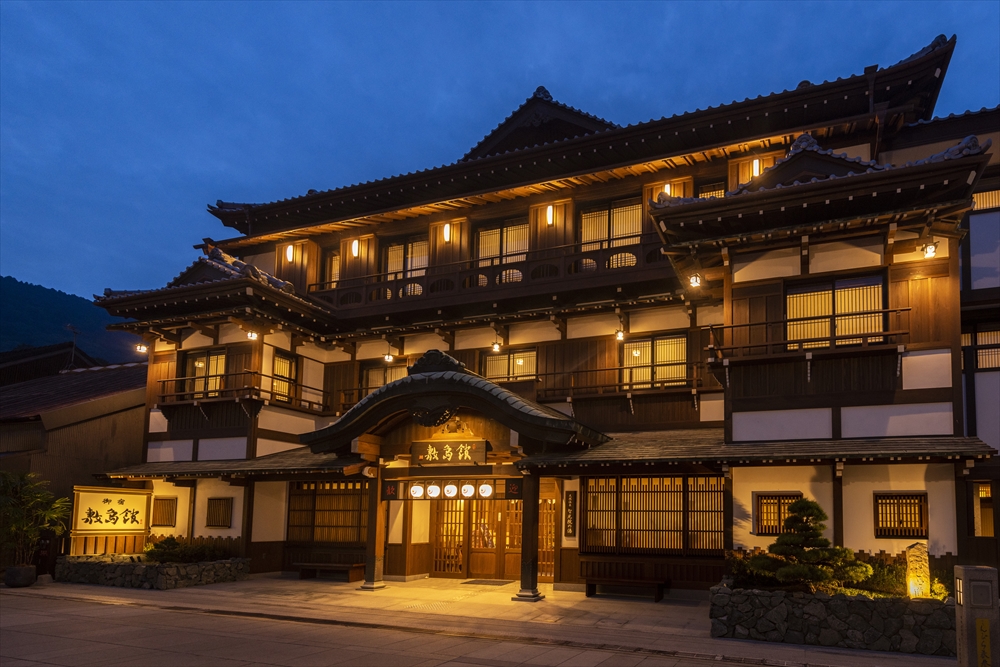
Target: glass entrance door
449, 538
485, 549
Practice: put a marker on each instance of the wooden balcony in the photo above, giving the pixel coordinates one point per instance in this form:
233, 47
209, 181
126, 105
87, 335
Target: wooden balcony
576, 266
247, 385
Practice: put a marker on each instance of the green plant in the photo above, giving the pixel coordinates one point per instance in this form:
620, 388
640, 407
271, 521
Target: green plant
888, 578
738, 569
801, 555
169, 550
27, 508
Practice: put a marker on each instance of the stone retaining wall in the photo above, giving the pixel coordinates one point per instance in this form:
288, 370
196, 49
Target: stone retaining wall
135, 572
883, 624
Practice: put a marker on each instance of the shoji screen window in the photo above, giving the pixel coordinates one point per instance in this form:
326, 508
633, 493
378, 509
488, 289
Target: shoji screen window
771, 511
506, 244
618, 225
407, 259
818, 313
378, 376
657, 362
331, 269
283, 380
510, 366
205, 371
901, 515
742, 170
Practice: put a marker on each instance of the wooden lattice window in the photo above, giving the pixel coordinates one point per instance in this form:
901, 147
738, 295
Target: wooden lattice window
381, 375
709, 190
771, 512
510, 366
283, 381
618, 225
659, 362
164, 512
331, 512
220, 513
506, 244
851, 306
901, 515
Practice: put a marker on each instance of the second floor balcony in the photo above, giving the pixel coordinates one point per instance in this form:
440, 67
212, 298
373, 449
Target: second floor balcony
246, 385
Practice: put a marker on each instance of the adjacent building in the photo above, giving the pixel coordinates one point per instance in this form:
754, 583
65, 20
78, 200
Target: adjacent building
594, 355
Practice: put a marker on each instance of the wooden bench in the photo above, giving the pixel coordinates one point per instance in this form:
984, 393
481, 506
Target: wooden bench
354, 571
656, 584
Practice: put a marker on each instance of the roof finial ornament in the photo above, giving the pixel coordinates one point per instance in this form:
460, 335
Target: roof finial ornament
805, 142
543, 94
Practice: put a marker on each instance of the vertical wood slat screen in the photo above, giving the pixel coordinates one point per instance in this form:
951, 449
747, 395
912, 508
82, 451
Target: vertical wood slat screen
301, 503
164, 512
637, 370
706, 525
219, 513
284, 376
652, 514
333, 512
546, 537
515, 512
602, 501
331, 269
987, 357
818, 304
379, 376
417, 254
858, 296
508, 366
717, 190
901, 515
483, 529
670, 358
663, 360
488, 246
626, 223
772, 509
395, 255
516, 242
449, 536
593, 230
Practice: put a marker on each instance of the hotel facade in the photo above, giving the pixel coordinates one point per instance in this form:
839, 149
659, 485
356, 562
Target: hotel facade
592, 355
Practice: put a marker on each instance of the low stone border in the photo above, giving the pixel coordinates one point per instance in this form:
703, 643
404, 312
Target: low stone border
135, 572
883, 624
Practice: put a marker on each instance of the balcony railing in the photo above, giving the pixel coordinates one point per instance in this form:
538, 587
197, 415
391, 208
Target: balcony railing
586, 264
795, 336
247, 384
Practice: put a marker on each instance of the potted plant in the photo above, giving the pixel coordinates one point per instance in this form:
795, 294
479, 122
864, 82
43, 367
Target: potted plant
27, 508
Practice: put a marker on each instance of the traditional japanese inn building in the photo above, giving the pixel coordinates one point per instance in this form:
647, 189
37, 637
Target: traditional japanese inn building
597, 355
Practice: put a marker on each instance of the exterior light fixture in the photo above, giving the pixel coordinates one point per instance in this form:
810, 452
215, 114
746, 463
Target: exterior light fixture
433, 490
756, 167
619, 334
485, 489
468, 490
496, 346
416, 491
520, 362
450, 490
289, 252
548, 215
141, 348
930, 250
636, 352
666, 189
252, 335
355, 247
695, 280
199, 364
388, 358
447, 232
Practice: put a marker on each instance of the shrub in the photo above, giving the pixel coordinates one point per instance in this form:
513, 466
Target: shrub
802, 556
889, 578
27, 508
738, 568
169, 550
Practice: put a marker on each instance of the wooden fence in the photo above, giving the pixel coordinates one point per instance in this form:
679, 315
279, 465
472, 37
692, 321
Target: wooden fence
103, 545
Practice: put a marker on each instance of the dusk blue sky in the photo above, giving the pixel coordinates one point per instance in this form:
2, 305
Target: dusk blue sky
119, 122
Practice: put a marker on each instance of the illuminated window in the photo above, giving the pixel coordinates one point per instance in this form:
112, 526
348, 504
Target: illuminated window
333, 512
988, 349
407, 260
982, 508
284, 376
506, 244
164, 512
381, 375
220, 513
901, 515
853, 306
741, 170
331, 268
509, 366
618, 225
771, 512
658, 362
205, 372
712, 190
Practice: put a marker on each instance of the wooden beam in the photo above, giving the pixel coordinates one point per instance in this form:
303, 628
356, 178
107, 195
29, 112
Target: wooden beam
366, 444
447, 336
502, 333
169, 336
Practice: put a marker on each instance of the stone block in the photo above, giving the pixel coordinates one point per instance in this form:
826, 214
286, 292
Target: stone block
719, 628
794, 637
929, 642
829, 637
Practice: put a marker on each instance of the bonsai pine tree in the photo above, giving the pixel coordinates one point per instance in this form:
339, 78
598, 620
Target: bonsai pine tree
27, 508
801, 555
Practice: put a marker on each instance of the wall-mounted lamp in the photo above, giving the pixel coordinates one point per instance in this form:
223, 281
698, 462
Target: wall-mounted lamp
486, 490
496, 346
450, 490
666, 189
355, 247
416, 491
289, 252
930, 250
695, 280
468, 490
636, 352
756, 167
548, 215
619, 334
141, 349
433, 490
447, 232
388, 354
252, 335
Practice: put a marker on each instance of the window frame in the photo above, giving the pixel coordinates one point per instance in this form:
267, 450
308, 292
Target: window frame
652, 382
211, 384
290, 382
153, 523
608, 239
384, 367
901, 532
835, 285
329, 281
222, 504
511, 355
407, 270
504, 256
303, 510
759, 497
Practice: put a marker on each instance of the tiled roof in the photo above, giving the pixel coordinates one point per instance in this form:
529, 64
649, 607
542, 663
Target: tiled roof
25, 400
693, 445
953, 116
294, 461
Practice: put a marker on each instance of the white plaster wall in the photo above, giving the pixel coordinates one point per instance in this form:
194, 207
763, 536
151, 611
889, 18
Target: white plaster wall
917, 255
658, 319
988, 408
322, 355
783, 425
712, 407
312, 380
711, 315
420, 522
533, 332
157, 422
231, 333
163, 489
590, 326
414, 345
469, 339
215, 488
373, 349
263, 261
394, 526
279, 339
813, 482
771, 264
861, 482
862, 151
195, 339
842, 255
274, 418
270, 511
571, 542
875, 421
163, 346
927, 369
221, 449
266, 446
169, 450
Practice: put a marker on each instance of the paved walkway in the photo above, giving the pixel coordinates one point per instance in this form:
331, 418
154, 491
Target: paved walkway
676, 629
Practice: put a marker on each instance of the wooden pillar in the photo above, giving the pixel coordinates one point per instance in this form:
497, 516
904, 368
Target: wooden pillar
727, 510
961, 511
375, 547
838, 506
529, 540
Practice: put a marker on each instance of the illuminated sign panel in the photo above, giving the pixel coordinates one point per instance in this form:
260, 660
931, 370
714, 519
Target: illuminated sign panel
104, 511
448, 452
